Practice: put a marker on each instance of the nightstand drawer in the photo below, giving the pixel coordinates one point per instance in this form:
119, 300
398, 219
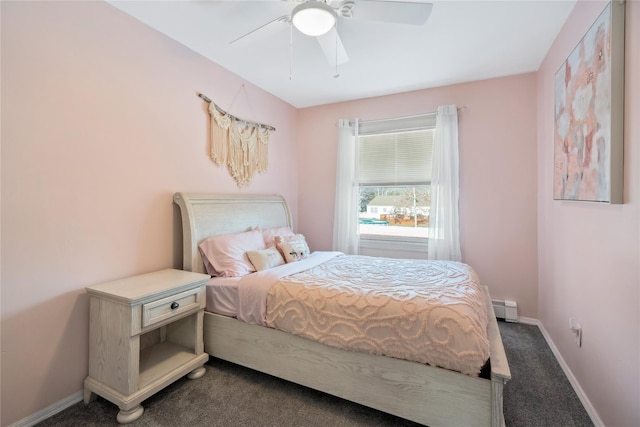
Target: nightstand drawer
165, 308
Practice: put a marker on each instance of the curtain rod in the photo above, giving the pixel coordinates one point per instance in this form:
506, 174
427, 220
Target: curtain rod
433, 113
237, 119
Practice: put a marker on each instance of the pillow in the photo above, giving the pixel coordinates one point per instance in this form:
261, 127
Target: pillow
271, 234
294, 250
289, 238
226, 255
265, 258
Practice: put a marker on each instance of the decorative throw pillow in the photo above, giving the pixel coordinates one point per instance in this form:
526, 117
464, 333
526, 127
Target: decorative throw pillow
294, 250
288, 239
265, 258
226, 255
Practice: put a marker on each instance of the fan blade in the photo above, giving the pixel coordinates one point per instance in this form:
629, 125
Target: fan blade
329, 42
399, 12
284, 18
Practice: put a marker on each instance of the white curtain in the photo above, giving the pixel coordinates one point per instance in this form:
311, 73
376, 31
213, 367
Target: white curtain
345, 224
444, 227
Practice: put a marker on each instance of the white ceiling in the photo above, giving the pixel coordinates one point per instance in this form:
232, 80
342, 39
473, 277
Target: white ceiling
461, 41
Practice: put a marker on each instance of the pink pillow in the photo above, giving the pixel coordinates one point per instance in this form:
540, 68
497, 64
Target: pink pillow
226, 255
291, 238
271, 234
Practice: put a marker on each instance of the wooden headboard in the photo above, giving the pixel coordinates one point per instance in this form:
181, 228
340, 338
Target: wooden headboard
206, 215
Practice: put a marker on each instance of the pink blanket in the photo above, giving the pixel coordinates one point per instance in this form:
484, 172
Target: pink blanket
430, 312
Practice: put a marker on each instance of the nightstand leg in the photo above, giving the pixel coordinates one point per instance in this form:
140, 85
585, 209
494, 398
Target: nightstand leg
197, 373
131, 415
89, 396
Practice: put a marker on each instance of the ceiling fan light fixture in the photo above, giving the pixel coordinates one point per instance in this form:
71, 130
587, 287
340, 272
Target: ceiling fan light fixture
313, 18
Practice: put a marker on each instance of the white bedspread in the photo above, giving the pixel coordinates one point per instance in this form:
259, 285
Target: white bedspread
425, 311
253, 288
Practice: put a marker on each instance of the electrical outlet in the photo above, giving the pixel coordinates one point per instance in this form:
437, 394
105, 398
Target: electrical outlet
578, 334
576, 329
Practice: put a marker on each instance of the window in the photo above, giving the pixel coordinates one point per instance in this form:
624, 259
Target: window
387, 170
394, 178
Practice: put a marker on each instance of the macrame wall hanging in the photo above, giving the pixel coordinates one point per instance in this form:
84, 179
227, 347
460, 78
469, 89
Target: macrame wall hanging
237, 143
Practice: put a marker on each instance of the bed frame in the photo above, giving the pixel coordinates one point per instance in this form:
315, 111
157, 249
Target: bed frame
418, 392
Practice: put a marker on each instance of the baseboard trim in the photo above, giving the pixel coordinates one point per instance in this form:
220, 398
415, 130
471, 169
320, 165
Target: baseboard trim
529, 321
49, 411
593, 414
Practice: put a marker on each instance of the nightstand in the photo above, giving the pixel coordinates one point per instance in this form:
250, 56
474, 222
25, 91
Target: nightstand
145, 332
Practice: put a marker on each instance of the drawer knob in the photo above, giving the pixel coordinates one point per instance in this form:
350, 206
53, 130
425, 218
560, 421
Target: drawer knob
174, 305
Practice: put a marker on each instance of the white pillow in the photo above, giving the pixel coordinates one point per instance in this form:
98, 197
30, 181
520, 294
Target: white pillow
265, 258
288, 238
294, 250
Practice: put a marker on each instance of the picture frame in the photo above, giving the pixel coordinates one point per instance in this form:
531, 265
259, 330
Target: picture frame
589, 114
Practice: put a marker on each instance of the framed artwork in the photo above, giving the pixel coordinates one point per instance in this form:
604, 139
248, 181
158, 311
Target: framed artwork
589, 114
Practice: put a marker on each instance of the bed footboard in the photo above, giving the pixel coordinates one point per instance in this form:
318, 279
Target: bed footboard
500, 372
418, 392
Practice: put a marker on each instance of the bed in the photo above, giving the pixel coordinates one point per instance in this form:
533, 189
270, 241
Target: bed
419, 392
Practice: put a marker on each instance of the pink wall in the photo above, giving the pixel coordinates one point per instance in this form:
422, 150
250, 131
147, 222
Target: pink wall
101, 125
589, 254
497, 135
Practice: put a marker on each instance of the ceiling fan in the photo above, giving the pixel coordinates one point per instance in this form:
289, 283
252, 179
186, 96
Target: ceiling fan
322, 19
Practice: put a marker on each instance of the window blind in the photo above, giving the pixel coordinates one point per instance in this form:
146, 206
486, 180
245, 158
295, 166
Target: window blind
399, 158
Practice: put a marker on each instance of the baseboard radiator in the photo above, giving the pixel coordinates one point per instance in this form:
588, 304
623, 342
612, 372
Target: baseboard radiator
505, 309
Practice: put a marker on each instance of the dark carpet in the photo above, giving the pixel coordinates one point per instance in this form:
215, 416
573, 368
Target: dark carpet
229, 395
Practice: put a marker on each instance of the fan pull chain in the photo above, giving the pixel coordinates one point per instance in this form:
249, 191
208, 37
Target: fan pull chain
336, 75
290, 50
